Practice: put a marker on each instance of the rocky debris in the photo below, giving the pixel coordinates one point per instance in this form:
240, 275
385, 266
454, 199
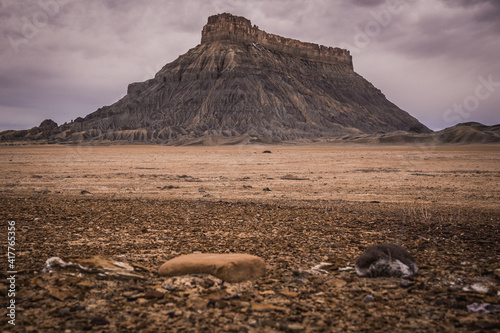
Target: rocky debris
233, 267
386, 260
240, 85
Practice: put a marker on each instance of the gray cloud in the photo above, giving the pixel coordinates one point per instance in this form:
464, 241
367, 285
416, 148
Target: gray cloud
368, 3
425, 58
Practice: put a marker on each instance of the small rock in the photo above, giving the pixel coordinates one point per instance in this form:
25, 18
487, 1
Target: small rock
406, 283
142, 301
266, 189
266, 152
76, 308
337, 283
207, 283
291, 294
85, 192
368, 299
295, 327
480, 288
98, 321
60, 293
64, 312
265, 307
196, 303
152, 294
486, 325
168, 187
169, 288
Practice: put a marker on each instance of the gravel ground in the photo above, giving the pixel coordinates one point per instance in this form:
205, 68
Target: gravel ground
457, 255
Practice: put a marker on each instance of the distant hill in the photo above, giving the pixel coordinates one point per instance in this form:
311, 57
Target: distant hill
240, 85
461, 134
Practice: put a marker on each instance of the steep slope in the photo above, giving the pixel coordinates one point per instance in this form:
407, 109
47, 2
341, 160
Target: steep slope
242, 84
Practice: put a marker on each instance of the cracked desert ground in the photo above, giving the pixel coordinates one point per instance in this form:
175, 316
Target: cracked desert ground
294, 206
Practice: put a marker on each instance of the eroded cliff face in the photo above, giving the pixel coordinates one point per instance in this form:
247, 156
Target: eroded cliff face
227, 27
244, 85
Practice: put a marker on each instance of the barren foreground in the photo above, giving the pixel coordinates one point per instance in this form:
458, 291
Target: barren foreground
295, 207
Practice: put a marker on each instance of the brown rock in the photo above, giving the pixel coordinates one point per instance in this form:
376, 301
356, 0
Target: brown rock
227, 267
60, 294
265, 307
197, 303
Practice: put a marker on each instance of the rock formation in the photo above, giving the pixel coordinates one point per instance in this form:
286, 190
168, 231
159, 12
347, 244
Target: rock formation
241, 84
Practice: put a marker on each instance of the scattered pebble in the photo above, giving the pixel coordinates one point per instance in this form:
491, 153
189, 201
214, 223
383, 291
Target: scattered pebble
369, 299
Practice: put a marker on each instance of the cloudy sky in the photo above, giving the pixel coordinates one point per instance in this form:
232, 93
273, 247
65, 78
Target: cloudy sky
61, 59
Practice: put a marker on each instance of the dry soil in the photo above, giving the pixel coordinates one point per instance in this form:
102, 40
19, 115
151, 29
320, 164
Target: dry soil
294, 206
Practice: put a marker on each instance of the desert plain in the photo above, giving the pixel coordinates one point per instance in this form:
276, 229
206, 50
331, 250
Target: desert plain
294, 206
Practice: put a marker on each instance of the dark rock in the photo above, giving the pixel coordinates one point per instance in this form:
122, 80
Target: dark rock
406, 283
368, 299
486, 325
64, 312
76, 308
153, 294
98, 321
386, 260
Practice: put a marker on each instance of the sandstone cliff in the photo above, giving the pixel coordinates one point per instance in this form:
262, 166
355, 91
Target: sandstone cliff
241, 84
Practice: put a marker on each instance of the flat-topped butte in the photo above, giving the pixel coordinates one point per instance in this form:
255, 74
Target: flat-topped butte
228, 27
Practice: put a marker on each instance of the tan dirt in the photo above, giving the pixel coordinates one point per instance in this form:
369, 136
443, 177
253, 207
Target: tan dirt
463, 175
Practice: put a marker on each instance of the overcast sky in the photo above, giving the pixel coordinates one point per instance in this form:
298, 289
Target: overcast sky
61, 59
